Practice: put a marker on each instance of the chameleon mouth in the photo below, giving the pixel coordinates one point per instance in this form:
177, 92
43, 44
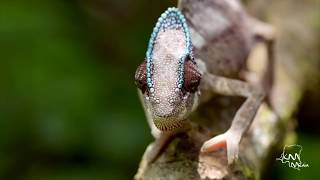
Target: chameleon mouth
168, 124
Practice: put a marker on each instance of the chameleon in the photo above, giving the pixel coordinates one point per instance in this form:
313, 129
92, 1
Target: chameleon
177, 76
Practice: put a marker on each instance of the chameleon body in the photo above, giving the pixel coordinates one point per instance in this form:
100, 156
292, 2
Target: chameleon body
173, 80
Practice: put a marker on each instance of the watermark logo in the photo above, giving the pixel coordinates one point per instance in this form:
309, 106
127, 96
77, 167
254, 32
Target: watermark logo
291, 155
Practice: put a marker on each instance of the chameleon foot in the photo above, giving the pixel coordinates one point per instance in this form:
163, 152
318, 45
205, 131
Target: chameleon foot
227, 141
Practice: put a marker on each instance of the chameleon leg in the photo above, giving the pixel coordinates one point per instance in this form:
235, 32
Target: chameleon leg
154, 149
265, 33
152, 152
243, 118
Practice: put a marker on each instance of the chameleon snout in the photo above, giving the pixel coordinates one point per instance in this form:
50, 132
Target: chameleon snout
163, 111
167, 117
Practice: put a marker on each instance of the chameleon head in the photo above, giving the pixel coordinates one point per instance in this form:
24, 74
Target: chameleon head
169, 77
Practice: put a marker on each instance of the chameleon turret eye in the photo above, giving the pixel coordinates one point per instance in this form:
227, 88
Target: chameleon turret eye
141, 77
192, 76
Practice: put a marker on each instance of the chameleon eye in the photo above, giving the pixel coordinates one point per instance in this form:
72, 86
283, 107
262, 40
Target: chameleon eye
141, 77
192, 76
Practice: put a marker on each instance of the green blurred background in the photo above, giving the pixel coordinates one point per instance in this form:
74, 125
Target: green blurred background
68, 105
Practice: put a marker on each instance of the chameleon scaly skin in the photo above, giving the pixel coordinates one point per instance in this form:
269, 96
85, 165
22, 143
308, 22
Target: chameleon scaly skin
169, 78
171, 19
169, 72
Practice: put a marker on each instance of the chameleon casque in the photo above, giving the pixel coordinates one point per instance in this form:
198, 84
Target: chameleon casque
176, 75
